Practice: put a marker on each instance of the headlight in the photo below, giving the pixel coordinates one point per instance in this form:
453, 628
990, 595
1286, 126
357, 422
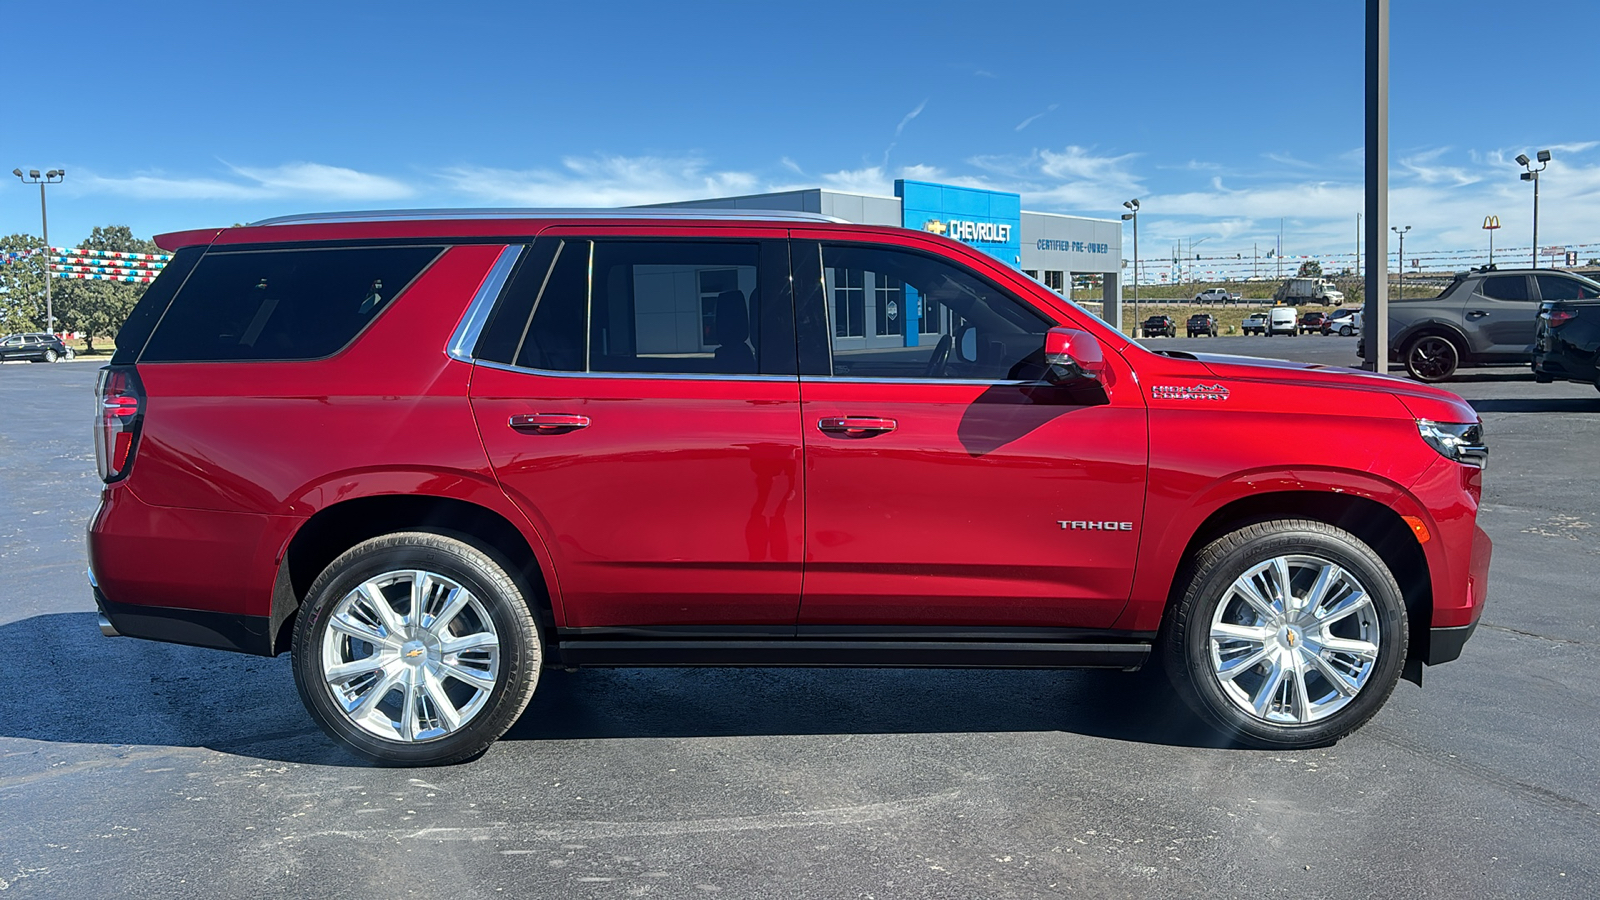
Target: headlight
1462, 443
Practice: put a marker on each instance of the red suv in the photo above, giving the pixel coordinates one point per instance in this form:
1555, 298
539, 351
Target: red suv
430, 454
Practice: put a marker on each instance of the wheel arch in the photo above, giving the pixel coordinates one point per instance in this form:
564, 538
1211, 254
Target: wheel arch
336, 528
1433, 328
1376, 524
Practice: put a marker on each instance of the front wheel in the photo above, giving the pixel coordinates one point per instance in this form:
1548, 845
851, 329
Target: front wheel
416, 648
1291, 634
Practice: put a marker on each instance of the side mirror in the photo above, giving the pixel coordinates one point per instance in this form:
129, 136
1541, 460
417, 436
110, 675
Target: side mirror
1071, 354
967, 344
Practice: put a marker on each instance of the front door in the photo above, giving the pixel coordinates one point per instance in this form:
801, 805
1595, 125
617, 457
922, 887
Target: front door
637, 400
944, 485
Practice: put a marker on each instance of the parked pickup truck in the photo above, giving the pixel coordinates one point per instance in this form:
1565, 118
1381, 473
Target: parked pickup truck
1566, 342
1255, 323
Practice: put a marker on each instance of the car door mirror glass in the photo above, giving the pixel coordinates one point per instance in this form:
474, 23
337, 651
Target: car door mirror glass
967, 345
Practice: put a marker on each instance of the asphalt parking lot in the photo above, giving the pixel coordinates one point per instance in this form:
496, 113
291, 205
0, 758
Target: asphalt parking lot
129, 768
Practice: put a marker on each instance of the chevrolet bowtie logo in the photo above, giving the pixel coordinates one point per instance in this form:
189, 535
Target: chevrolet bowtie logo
935, 226
414, 653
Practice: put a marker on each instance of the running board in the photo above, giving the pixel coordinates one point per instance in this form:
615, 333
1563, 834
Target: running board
855, 654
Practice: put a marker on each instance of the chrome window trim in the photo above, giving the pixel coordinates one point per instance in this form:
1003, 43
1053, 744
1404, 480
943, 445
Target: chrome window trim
981, 382
423, 215
467, 332
637, 376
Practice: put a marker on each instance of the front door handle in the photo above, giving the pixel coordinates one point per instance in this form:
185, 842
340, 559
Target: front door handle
548, 423
856, 426
1476, 314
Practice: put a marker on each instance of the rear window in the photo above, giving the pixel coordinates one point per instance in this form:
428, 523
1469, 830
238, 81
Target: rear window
292, 304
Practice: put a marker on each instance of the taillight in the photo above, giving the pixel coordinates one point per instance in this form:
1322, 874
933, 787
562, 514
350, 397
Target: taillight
1556, 318
117, 420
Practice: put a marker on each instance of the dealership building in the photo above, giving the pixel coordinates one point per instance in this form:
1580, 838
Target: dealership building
1052, 248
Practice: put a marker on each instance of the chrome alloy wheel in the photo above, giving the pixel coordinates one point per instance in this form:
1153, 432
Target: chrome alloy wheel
1294, 639
410, 655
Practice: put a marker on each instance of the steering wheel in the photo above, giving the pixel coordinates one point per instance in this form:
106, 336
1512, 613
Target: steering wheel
941, 355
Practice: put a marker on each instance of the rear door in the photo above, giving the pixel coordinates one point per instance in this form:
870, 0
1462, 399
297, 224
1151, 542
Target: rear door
638, 400
1500, 315
944, 485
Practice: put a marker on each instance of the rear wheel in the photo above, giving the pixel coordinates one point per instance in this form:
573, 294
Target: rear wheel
1291, 634
1432, 358
416, 648
1346, 331
50, 355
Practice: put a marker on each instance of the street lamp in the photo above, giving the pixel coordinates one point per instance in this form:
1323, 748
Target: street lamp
54, 176
1133, 215
1533, 175
1402, 233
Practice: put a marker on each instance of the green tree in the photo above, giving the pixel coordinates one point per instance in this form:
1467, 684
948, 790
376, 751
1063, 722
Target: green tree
98, 308
1310, 269
21, 286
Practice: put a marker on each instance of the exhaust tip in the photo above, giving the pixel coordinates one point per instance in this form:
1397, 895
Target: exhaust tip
106, 628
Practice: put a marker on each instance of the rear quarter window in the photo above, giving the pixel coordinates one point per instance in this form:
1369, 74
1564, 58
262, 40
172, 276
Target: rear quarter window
292, 304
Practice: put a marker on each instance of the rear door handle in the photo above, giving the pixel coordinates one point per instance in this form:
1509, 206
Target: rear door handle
1476, 314
856, 426
548, 423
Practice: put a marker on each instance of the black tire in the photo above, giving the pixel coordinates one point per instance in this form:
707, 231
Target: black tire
1432, 358
1186, 645
1346, 331
482, 573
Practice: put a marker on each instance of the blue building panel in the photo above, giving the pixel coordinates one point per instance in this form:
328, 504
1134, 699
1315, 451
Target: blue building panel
989, 221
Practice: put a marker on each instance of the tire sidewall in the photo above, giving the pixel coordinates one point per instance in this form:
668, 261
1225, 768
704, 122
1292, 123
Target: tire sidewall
482, 575
1189, 652
1454, 365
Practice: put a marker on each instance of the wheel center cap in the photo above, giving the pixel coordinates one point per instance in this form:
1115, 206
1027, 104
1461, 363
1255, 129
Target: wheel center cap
1290, 638
414, 652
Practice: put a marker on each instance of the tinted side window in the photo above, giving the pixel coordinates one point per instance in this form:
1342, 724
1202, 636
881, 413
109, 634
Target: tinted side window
133, 334
282, 304
1557, 287
1506, 287
644, 307
902, 314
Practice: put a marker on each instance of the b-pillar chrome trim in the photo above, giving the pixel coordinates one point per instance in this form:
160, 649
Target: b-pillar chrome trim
477, 314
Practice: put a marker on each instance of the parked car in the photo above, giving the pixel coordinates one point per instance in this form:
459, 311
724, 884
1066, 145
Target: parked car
430, 455
1566, 342
1485, 317
1255, 323
1312, 322
1159, 326
1201, 324
34, 347
1281, 320
1343, 322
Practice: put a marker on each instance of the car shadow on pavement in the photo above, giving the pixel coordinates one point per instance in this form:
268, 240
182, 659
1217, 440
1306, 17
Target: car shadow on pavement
70, 684
1537, 405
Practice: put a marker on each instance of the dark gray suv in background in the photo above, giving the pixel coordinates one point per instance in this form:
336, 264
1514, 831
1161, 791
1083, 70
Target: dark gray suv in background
1486, 317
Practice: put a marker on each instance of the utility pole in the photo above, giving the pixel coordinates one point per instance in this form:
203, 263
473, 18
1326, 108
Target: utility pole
1375, 308
1358, 245
54, 176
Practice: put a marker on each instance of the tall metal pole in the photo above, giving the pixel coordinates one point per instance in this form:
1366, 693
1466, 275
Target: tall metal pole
1375, 308
49, 306
1358, 245
1136, 267
1536, 220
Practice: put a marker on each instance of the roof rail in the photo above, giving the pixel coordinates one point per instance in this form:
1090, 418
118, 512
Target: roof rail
415, 215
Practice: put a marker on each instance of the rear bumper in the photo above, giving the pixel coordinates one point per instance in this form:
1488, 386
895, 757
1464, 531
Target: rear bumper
197, 628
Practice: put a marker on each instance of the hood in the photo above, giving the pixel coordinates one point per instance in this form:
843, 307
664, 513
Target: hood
1421, 400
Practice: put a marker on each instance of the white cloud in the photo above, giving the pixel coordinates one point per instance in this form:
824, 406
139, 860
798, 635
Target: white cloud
297, 179
1036, 116
602, 181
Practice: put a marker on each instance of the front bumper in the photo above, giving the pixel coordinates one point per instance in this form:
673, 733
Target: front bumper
1444, 644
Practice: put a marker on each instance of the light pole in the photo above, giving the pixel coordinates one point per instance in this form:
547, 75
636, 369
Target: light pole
1402, 232
1490, 224
1358, 245
54, 176
1533, 175
1133, 215
1190, 262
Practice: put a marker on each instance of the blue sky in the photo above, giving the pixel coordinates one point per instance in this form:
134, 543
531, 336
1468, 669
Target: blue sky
1221, 117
